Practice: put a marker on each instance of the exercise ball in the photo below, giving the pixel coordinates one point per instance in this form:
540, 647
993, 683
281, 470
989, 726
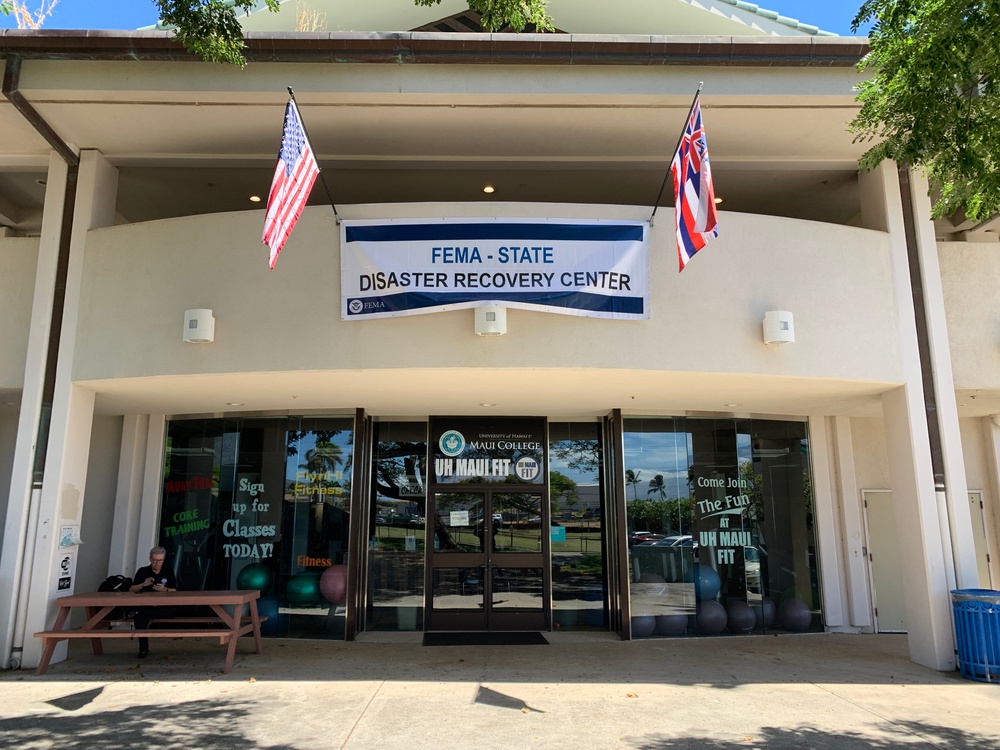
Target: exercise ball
706, 582
765, 612
303, 589
650, 578
267, 606
711, 618
643, 626
741, 618
793, 614
255, 576
333, 584
671, 624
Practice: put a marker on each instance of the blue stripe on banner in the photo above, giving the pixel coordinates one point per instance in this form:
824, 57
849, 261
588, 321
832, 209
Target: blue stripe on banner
405, 301
512, 232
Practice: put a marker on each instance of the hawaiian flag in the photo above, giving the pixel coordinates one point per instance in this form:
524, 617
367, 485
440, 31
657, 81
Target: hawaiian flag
294, 176
694, 204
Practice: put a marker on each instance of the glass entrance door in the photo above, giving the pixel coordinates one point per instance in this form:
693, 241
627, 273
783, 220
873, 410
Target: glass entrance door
486, 556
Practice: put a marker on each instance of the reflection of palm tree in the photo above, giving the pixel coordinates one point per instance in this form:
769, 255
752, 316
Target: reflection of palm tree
321, 463
323, 459
657, 487
632, 477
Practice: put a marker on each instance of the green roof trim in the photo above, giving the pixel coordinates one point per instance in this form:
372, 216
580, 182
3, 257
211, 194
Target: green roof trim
793, 23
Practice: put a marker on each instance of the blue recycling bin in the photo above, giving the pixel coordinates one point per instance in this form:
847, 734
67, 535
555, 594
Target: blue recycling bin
977, 633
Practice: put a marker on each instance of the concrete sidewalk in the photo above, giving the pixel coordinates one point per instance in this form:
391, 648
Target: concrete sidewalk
810, 691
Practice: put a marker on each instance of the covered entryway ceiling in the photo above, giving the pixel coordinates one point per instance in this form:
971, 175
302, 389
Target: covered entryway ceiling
438, 117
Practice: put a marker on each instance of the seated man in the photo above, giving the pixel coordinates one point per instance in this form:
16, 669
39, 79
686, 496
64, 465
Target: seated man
152, 577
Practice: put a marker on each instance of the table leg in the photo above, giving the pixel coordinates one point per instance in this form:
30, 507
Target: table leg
255, 619
94, 615
49, 644
231, 652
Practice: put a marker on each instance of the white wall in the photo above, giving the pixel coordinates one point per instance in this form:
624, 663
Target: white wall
871, 459
140, 278
969, 274
980, 476
18, 257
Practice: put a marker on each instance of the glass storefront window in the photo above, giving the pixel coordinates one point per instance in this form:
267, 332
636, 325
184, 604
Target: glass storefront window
397, 527
577, 527
263, 503
720, 527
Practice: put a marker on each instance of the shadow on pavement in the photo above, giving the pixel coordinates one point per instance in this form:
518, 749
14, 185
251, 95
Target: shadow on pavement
177, 726
904, 735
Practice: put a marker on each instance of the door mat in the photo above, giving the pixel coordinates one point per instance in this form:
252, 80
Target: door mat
485, 639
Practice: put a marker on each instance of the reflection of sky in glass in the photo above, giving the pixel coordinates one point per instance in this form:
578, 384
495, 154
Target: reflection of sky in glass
648, 454
582, 478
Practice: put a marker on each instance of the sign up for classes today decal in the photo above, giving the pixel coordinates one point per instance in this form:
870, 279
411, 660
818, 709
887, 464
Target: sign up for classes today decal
594, 269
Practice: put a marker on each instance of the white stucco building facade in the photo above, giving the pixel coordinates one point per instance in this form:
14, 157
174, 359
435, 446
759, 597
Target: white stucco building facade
126, 170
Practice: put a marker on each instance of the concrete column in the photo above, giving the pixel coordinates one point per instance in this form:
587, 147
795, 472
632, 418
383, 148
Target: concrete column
128, 498
60, 501
826, 525
991, 429
921, 525
959, 520
853, 525
152, 484
20, 519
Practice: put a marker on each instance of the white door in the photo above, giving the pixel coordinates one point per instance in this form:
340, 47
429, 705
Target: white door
884, 563
979, 536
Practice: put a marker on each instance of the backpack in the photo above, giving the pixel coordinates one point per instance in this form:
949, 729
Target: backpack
116, 583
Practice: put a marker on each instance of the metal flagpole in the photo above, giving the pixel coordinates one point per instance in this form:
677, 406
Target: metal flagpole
318, 168
673, 153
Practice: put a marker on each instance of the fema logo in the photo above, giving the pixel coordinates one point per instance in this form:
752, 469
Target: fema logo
452, 443
526, 468
355, 306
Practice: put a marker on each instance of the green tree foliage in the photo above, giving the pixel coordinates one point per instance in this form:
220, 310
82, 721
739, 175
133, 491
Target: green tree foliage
210, 28
499, 14
933, 99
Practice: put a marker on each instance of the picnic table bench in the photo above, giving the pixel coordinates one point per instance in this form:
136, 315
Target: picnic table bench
227, 618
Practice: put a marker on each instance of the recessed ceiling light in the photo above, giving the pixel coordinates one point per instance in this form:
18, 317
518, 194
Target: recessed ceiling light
235, 403
41, 182
488, 189
734, 404
485, 404
718, 201
255, 199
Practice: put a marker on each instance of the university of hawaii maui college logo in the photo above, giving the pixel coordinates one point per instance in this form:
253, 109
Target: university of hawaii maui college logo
452, 443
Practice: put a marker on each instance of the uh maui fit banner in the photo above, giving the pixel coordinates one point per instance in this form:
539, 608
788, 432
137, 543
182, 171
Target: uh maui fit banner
405, 267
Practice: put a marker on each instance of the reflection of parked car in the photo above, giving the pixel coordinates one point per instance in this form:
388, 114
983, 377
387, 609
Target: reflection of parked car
684, 540
641, 537
751, 561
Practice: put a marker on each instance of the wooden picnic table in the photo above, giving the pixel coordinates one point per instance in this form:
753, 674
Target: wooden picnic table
227, 623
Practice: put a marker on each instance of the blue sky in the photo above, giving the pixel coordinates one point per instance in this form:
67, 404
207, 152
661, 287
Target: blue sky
829, 15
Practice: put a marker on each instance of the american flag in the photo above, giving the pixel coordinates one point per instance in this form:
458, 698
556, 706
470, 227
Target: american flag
695, 217
294, 176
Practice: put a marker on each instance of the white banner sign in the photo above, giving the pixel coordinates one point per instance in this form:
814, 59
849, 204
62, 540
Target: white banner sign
596, 269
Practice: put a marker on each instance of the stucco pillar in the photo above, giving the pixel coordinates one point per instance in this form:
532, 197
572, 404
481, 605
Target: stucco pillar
131, 466
24, 492
920, 516
852, 523
959, 521
59, 504
991, 428
826, 523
